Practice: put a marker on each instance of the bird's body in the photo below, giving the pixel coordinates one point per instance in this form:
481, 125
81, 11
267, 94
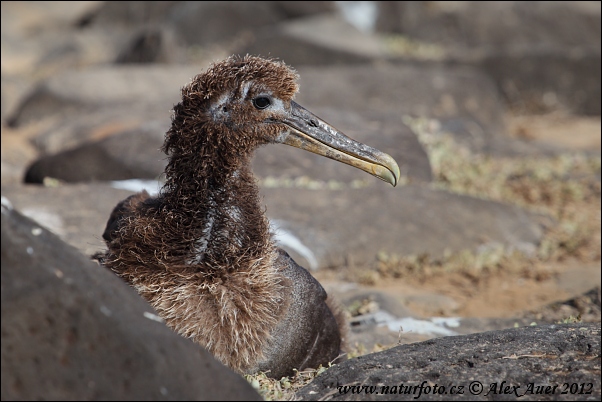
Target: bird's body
201, 252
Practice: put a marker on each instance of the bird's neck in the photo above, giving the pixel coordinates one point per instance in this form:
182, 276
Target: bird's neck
219, 211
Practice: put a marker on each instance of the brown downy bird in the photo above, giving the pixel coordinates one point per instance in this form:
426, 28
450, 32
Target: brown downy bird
201, 252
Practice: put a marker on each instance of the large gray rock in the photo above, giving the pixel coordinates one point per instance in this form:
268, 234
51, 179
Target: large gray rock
325, 39
587, 305
486, 365
218, 21
205, 23
535, 79
542, 55
71, 330
130, 88
495, 24
465, 102
82, 129
76, 213
353, 225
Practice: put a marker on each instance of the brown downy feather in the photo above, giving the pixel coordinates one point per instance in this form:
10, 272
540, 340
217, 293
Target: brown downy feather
232, 299
201, 252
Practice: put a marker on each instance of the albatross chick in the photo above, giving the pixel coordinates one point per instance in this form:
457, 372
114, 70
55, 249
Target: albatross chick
201, 252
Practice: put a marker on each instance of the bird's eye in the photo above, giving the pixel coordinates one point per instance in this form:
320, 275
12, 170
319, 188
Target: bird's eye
262, 102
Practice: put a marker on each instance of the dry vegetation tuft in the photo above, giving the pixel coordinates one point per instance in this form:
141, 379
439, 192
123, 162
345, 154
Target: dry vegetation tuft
283, 389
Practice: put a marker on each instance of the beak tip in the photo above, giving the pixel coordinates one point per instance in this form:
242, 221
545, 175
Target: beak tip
392, 173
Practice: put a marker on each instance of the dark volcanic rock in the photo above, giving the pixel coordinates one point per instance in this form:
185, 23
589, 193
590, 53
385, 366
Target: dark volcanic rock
549, 355
131, 154
77, 213
73, 331
203, 23
586, 306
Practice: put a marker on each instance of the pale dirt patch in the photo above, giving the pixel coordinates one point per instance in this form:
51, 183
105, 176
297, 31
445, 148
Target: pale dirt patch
500, 295
578, 133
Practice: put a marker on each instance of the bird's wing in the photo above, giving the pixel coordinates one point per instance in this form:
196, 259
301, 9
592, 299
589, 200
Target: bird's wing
121, 212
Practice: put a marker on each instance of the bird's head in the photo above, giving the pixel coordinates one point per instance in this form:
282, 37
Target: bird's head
244, 102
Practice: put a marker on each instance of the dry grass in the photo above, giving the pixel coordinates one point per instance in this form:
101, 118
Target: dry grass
283, 389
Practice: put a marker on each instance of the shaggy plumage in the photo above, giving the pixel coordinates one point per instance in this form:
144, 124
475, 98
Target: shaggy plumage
201, 252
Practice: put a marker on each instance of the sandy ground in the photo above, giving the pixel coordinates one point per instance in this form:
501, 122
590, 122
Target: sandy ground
501, 295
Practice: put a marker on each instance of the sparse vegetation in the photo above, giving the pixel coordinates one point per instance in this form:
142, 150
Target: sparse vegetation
401, 45
283, 389
545, 184
563, 187
570, 320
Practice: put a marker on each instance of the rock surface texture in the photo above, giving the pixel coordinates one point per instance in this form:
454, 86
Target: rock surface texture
73, 331
551, 362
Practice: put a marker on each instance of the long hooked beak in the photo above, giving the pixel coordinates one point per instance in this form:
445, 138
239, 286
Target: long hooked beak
309, 132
